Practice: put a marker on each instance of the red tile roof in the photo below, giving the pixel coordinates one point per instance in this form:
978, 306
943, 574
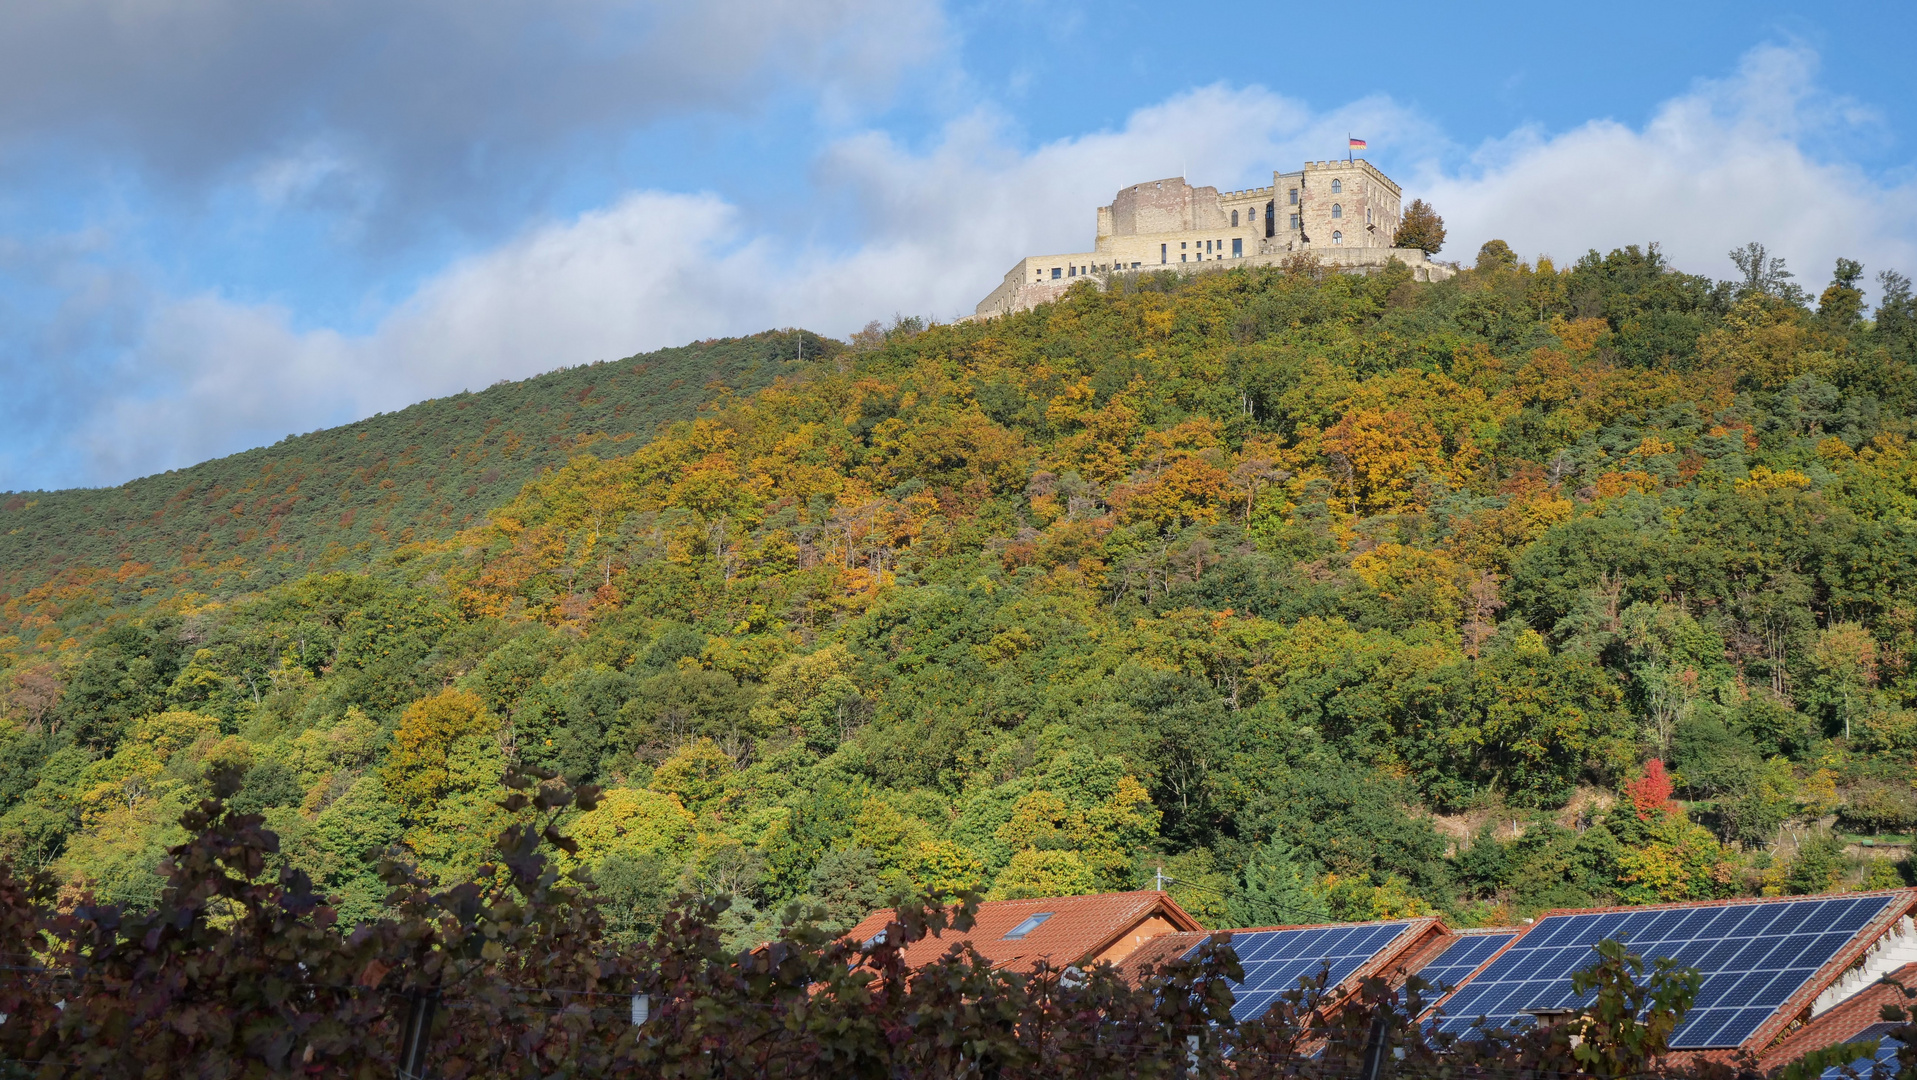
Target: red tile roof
1080, 929
1843, 1021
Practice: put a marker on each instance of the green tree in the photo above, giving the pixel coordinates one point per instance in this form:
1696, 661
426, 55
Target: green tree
1496, 255
1274, 889
1816, 867
125, 674
1629, 1023
1841, 307
846, 882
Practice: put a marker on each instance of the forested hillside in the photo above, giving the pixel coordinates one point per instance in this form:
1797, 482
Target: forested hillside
72, 560
1330, 596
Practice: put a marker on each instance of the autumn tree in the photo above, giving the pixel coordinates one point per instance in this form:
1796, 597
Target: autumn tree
35, 692
1841, 306
1421, 228
418, 771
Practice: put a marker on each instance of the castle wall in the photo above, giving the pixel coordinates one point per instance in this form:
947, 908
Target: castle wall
1181, 219
1346, 213
1031, 283
1162, 206
1364, 211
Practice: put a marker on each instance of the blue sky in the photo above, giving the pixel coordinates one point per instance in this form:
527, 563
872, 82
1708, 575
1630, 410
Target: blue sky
224, 221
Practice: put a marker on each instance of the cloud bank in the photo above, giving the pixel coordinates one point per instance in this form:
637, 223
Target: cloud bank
409, 103
1732, 160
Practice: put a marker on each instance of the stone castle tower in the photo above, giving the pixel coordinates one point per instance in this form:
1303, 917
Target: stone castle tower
1344, 213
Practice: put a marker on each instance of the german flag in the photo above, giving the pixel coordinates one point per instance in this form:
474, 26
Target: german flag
1356, 144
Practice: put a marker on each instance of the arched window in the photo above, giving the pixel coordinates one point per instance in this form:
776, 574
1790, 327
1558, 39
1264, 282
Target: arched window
1337, 211
1337, 187
1367, 215
1337, 238
1234, 219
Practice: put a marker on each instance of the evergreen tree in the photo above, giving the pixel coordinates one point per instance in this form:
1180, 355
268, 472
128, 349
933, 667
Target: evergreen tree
1274, 889
1897, 315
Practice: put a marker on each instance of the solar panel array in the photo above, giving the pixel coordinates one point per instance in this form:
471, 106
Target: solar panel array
1753, 957
1883, 1063
1461, 958
1275, 960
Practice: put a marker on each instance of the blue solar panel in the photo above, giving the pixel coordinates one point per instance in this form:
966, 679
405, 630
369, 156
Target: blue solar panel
1462, 957
1882, 1064
1275, 960
1753, 957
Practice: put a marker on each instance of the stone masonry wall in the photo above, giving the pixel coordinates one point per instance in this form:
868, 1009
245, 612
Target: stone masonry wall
1031, 283
1366, 205
1163, 206
1161, 224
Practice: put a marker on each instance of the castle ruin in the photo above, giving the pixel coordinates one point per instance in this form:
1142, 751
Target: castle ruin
1343, 213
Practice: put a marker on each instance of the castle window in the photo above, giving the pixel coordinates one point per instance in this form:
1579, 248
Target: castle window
1294, 196
1237, 247
1294, 221
1337, 211
1337, 238
1057, 273
1367, 215
1181, 245
1337, 187
1162, 257
1234, 219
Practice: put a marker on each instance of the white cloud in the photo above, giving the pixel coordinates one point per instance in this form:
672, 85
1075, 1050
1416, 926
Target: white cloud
1735, 160
936, 232
936, 229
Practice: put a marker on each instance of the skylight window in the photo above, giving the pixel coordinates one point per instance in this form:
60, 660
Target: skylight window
1027, 926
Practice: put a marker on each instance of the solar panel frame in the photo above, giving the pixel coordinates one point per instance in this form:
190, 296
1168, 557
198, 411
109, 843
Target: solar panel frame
1274, 959
1771, 948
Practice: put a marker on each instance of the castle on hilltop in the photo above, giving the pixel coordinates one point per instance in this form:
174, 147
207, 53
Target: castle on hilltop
1344, 213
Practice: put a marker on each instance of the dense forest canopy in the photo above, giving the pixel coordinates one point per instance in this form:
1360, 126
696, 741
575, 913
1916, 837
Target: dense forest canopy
343, 497
1329, 596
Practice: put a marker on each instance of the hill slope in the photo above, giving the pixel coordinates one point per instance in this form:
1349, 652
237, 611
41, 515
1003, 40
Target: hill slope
1335, 597
340, 496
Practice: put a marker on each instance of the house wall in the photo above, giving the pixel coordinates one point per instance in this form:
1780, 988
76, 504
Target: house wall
1144, 930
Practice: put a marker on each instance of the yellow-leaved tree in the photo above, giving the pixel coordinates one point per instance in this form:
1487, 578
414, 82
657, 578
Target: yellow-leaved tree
631, 821
1068, 841
443, 774
696, 773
